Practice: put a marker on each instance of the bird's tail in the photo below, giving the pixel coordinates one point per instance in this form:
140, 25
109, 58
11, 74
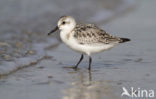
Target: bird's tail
124, 40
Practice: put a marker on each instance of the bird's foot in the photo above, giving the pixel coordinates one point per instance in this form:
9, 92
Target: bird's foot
72, 67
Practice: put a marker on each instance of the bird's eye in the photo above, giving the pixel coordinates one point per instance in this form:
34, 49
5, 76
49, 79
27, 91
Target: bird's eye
63, 22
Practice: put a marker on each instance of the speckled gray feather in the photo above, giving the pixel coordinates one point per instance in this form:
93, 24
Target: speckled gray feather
91, 34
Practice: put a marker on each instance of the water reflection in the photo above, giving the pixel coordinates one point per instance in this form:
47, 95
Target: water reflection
86, 87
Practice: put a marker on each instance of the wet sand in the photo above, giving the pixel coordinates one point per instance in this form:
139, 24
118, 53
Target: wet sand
127, 65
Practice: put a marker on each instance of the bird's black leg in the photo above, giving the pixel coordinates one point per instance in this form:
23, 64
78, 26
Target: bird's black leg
90, 61
75, 67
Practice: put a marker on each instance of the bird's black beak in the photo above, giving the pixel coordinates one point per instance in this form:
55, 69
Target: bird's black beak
52, 31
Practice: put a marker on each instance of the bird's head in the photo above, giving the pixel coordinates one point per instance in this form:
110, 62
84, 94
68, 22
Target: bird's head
65, 23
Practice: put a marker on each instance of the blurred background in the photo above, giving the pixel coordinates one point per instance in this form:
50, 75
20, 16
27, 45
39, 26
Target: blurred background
24, 25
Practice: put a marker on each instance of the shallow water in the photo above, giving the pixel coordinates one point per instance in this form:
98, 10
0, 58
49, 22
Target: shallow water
131, 64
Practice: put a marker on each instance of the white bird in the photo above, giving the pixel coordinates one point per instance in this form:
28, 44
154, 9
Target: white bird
85, 38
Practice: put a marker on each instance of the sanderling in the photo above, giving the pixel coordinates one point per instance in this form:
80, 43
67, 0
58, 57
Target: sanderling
85, 38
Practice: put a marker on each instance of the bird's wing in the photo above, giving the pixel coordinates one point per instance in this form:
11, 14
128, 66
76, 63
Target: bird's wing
91, 34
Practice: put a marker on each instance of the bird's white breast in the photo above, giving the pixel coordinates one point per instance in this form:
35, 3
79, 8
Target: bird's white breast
70, 41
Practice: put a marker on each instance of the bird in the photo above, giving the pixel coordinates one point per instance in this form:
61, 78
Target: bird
86, 39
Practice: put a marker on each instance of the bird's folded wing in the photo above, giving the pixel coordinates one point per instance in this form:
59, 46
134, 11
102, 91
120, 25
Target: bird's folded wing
90, 34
